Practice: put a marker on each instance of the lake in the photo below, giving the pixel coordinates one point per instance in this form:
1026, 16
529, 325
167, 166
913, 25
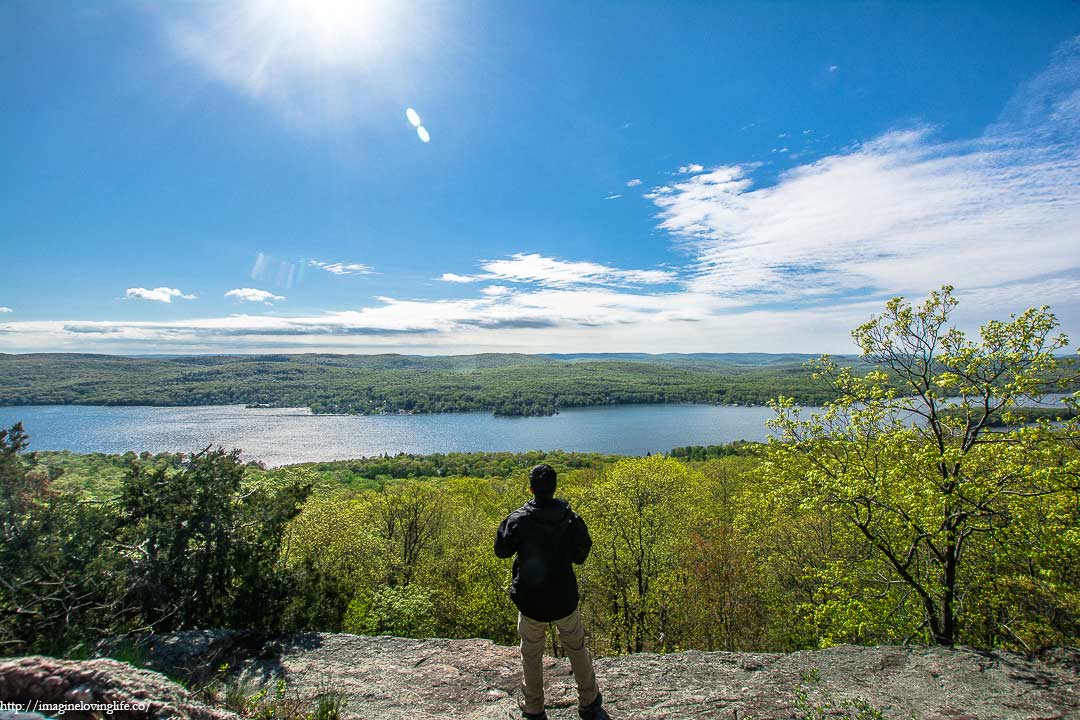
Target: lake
291, 435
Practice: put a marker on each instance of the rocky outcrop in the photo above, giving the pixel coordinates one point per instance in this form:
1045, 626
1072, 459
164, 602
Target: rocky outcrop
81, 690
395, 678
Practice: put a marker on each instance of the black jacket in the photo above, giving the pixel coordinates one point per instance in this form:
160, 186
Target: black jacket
548, 538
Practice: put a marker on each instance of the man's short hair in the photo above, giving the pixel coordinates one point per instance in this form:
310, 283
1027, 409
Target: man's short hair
542, 480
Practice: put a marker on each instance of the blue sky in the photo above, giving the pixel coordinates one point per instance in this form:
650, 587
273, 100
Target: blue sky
621, 176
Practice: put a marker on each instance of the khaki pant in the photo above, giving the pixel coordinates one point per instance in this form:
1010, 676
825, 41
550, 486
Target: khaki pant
572, 636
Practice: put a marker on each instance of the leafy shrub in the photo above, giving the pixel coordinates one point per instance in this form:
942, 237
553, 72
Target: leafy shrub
403, 612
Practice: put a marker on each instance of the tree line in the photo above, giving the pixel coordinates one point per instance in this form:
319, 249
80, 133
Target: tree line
504, 385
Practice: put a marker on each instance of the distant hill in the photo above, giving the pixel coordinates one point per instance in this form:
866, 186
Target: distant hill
750, 359
506, 384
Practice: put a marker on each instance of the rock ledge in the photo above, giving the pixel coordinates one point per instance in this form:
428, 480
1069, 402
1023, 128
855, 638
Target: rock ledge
395, 678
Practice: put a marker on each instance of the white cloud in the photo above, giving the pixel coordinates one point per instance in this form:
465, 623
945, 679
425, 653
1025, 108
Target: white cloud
338, 268
633, 183
496, 290
587, 318
253, 295
159, 294
455, 278
592, 319
547, 271
833, 68
613, 196
691, 169
423, 134
6, 310
658, 191
899, 214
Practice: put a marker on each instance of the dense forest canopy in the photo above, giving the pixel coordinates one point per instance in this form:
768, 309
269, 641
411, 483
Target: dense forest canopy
717, 553
500, 383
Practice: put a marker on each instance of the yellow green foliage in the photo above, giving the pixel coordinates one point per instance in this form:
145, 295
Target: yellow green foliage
940, 519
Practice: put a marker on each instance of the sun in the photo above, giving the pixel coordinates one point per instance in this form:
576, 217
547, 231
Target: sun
342, 33
312, 59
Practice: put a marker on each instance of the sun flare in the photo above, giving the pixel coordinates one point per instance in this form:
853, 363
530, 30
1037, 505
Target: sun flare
339, 32
312, 58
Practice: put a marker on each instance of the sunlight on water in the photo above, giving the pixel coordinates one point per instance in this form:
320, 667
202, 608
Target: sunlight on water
282, 436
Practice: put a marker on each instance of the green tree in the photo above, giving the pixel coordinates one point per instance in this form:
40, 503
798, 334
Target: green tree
640, 512
906, 453
719, 578
203, 548
411, 517
468, 582
332, 552
58, 571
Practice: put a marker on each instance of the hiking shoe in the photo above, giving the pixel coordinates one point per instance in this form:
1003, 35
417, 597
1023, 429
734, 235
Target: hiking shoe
594, 710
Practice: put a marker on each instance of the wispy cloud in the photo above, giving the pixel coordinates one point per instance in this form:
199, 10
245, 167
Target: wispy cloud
584, 319
158, 294
6, 310
553, 272
609, 316
613, 196
899, 214
338, 268
253, 295
691, 169
633, 183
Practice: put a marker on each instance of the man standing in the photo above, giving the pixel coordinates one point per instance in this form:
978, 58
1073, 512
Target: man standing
549, 538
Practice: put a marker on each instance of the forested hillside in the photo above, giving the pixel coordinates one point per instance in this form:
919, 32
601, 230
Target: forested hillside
503, 384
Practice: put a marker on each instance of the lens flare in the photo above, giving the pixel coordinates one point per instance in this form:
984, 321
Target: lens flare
414, 117
424, 135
